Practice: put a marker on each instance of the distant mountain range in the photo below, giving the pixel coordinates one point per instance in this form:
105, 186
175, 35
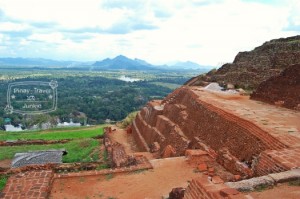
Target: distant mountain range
36, 62
118, 63
123, 63
187, 65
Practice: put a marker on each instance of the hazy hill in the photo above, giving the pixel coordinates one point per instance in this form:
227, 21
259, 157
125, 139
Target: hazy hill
188, 65
36, 62
122, 62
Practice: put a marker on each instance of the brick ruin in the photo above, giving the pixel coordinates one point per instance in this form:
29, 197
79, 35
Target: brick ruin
219, 143
116, 154
182, 121
223, 146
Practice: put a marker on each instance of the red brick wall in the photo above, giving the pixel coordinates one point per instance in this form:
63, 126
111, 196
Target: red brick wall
191, 117
273, 161
186, 117
203, 188
267, 165
138, 137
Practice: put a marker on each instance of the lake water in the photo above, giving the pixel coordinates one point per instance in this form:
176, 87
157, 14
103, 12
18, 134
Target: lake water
128, 79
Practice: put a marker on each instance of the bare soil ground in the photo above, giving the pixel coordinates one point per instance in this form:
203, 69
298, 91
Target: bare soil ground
281, 191
154, 184
5, 163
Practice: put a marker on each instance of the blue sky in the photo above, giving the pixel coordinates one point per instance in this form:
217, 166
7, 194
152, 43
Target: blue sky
209, 32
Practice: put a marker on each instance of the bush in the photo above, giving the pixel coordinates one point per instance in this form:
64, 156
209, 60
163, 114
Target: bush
128, 120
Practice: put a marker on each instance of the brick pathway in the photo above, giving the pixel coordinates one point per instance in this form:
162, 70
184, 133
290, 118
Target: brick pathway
28, 185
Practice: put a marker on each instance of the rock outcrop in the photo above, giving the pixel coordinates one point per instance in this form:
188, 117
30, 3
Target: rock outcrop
251, 68
282, 90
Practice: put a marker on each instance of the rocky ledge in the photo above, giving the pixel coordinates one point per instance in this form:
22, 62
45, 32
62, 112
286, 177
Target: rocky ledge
251, 68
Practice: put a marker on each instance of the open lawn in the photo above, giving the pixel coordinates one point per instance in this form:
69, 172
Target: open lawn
54, 134
80, 150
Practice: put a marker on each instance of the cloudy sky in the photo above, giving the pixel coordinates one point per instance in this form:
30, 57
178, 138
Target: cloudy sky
209, 32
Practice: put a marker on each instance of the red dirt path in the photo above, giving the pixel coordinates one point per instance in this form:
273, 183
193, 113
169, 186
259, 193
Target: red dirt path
167, 174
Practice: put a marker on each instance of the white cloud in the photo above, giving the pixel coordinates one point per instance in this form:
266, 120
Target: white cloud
1, 38
9, 26
56, 38
294, 12
208, 32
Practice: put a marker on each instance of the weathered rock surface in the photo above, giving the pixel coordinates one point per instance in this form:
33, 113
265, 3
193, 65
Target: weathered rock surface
265, 181
38, 157
251, 68
251, 184
282, 90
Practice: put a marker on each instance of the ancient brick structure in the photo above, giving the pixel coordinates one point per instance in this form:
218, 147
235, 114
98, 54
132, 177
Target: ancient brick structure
116, 153
204, 188
182, 121
274, 161
29, 185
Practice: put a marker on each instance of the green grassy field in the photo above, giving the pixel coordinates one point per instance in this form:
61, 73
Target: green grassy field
167, 85
82, 148
3, 180
54, 134
78, 150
